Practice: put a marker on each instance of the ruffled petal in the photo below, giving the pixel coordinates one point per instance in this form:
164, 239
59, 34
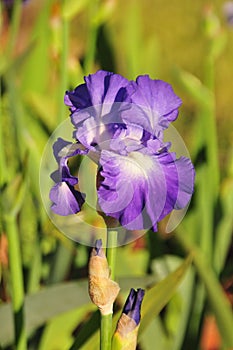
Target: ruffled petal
140, 189
132, 186
179, 175
155, 104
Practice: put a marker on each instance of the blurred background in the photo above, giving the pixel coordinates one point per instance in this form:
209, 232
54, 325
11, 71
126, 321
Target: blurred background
46, 47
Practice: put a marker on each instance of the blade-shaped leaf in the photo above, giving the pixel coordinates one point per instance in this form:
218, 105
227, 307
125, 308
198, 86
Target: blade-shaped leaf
159, 295
194, 87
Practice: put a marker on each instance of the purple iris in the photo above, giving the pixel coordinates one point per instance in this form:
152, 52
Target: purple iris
133, 303
119, 124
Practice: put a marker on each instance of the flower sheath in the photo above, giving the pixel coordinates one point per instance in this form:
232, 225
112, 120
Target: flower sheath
102, 290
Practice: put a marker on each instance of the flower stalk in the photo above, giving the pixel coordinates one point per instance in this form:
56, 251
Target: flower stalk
111, 250
106, 320
106, 332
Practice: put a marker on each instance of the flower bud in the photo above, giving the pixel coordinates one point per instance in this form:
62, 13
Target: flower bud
125, 337
102, 290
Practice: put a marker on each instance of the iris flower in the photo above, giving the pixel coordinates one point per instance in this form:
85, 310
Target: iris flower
125, 336
120, 125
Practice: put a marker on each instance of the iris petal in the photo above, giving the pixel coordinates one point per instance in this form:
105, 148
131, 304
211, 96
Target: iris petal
96, 106
96, 97
140, 189
66, 200
155, 104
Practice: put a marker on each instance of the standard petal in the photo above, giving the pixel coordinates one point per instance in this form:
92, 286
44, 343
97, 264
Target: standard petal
106, 88
66, 200
79, 98
155, 104
96, 97
96, 107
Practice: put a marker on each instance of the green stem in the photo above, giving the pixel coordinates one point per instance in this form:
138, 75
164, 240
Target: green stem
4, 171
111, 251
106, 320
91, 45
63, 72
106, 332
16, 282
15, 22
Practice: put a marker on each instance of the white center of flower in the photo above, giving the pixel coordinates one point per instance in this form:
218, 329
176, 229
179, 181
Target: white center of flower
139, 164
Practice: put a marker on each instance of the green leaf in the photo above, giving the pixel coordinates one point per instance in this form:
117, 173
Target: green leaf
58, 333
73, 8
43, 306
224, 229
178, 309
194, 87
148, 340
84, 335
43, 106
13, 196
159, 295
